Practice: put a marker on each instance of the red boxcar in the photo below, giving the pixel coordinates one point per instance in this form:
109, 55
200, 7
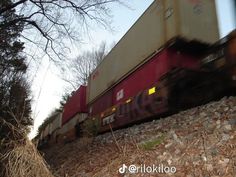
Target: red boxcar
102, 103
143, 78
76, 104
149, 73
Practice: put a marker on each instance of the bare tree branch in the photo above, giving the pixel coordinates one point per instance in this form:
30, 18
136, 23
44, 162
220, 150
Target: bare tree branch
76, 71
55, 20
11, 6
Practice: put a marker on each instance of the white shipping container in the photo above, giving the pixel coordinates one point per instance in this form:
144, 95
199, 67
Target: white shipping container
162, 21
78, 118
56, 123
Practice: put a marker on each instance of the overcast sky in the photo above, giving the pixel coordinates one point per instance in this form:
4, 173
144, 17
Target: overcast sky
48, 87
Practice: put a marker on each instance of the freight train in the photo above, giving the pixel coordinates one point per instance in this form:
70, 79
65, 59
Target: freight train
165, 63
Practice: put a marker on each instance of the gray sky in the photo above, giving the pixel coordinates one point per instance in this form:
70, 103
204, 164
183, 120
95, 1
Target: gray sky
48, 87
225, 12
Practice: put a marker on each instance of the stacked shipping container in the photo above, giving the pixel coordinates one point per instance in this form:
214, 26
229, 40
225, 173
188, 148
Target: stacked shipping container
138, 62
63, 124
76, 104
162, 21
144, 78
51, 130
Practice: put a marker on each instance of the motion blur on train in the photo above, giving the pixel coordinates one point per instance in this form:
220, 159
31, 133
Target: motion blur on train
171, 59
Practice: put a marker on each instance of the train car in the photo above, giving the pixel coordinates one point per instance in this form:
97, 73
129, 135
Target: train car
144, 92
44, 137
231, 55
49, 135
177, 77
163, 21
167, 42
55, 126
74, 113
168, 61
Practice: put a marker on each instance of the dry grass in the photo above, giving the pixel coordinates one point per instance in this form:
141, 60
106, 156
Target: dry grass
25, 161
19, 156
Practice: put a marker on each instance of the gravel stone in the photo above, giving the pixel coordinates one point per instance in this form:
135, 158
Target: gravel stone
198, 142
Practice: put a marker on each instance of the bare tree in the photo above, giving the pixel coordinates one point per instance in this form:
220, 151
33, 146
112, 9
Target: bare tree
77, 70
55, 22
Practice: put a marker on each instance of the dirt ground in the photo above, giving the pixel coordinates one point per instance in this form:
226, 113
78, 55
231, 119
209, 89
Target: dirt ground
197, 142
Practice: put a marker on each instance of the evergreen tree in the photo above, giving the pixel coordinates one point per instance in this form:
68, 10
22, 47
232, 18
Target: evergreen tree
14, 91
